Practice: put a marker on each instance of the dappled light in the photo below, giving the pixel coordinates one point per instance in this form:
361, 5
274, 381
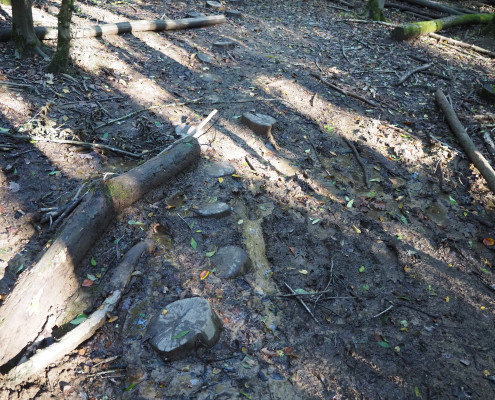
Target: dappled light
272, 207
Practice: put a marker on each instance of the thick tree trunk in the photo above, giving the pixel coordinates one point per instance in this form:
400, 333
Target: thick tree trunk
41, 298
61, 58
45, 33
416, 29
375, 9
23, 34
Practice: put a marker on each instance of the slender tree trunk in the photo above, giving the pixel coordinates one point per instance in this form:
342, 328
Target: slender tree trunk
61, 58
23, 34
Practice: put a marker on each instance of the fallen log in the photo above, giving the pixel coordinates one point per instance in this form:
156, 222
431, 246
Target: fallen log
40, 299
441, 7
47, 33
467, 144
86, 329
417, 29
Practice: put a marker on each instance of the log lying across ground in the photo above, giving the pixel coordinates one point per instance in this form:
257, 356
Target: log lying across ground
46, 33
479, 161
41, 297
416, 29
75, 337
441, 7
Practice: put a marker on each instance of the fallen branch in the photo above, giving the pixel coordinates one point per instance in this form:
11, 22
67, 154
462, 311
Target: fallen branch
359, 160
343, 91
73, 142
489, 144
412, 72
49, 286
46, 33
302, 302
87, 329
464, 45
441, 7
416, 29
404, 7
467, 144
132, 114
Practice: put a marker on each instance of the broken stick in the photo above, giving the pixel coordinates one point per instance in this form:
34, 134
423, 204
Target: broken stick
467, 144
86, 329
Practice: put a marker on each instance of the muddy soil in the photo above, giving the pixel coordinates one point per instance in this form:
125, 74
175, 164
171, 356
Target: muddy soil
390, 256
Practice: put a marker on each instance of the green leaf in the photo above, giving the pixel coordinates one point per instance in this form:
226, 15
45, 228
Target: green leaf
93, 262
130, 387
417, 392
211, 253
105, 135
366, 286
158, 124
452, 201
19, 269
329, 128
199, 231
79, 319
180, 335
193, 244
384, 344
403, 219
300, 291
54, 173
350, 203
4, 130
92, 277
316, 221
247, 396
131, 222
361, 269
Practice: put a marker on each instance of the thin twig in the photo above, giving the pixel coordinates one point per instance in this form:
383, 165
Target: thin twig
345, 55
143, 110
317, 156
74, 142
343, 91
383, 312
302, 302
412, 72
359, 160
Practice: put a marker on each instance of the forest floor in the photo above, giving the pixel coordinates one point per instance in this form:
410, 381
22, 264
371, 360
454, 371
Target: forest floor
401, 267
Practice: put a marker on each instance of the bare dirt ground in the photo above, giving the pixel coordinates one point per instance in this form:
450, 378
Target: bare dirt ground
402, 270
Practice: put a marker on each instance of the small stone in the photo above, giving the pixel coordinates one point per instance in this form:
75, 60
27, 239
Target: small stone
187, 324
260, 124
231, 261
225, 44
217, 210
213, 4
194, 14
233, 14
218, 170
204, 57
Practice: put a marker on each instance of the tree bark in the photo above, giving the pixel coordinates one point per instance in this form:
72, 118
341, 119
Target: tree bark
41, 297
467, 144
375, 9
45, 33
23, 33
75, 337
61, 58
417, 29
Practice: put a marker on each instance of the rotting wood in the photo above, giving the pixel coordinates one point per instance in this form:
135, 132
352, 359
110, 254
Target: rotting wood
69, 342
416, 29
489, 144
343, 91
48, 286
158, 25
467, 144
412, 72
